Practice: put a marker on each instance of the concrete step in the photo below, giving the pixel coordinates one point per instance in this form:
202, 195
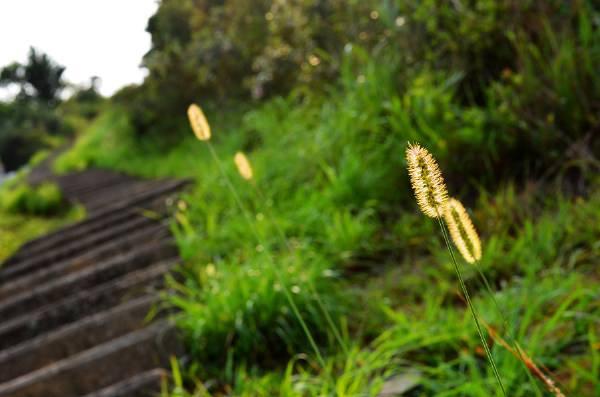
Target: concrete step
74, 248
83, 303
137, 194
107, 194
146, 384
87, 278
74, 338
73, 184
65, 234
31, 280
106, 364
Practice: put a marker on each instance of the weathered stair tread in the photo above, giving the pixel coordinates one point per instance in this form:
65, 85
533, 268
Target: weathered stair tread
76, 183
116, 192
74, 248
100, 366
74, 338
157, 189
83, 304
146, 384
87, 278
87, 226
29, 281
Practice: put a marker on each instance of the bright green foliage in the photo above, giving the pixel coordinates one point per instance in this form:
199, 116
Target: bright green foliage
27, 212
16, 229
43, 200
235, 313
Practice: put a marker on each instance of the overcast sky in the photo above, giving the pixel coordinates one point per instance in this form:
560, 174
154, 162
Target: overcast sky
104, 38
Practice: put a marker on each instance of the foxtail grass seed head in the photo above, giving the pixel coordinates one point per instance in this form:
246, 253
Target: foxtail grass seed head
198, 122
462, 231
243, 165
426, 180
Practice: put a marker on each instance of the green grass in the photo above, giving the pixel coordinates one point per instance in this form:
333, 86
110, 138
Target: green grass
43, 200
16, 229
27, 212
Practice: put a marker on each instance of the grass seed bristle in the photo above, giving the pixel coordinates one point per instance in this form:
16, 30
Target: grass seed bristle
243, 165
198, 122
426, 180
462, 231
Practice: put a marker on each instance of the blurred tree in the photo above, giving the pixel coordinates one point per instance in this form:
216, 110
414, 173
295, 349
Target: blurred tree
27, 121
40, 78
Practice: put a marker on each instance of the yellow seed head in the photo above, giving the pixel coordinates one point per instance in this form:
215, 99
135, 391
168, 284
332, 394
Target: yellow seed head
462, 231
198, 122
243, 165
426, 180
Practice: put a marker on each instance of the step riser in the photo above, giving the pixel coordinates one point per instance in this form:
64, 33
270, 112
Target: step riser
73, 338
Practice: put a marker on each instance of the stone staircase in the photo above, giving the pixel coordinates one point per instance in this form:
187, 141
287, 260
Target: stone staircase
74, 303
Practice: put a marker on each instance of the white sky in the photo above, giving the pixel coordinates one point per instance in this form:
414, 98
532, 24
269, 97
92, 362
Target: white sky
104, 38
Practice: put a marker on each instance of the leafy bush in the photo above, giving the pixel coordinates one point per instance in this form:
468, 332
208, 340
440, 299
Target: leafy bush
45, 199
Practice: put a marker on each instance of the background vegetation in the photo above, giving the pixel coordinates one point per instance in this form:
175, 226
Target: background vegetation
323, 97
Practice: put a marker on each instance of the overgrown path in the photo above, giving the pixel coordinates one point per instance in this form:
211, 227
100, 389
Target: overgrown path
74, 303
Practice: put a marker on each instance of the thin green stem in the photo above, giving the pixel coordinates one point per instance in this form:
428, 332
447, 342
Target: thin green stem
259, 240
509, 331
311, 287
472, 308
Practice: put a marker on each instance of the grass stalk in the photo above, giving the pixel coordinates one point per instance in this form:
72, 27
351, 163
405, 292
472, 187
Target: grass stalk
312, 290
286, 291
512, 339
472, 308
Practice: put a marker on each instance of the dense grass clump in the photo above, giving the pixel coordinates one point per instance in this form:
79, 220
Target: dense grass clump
43, 200
27, 212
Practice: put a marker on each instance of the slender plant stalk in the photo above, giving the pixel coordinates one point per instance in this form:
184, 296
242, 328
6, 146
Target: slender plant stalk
287, 293
472, 308
509, 331
311, 287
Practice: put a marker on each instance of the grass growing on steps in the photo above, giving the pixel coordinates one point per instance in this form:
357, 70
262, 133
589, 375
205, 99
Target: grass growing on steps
27, 212
16, 229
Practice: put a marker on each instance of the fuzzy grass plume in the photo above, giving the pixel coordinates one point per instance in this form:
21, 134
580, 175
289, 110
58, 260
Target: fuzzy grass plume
198, 122
462, 231
432, 197
426, 180
243, 165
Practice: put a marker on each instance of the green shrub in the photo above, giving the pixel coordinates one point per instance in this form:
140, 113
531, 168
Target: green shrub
45, 199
